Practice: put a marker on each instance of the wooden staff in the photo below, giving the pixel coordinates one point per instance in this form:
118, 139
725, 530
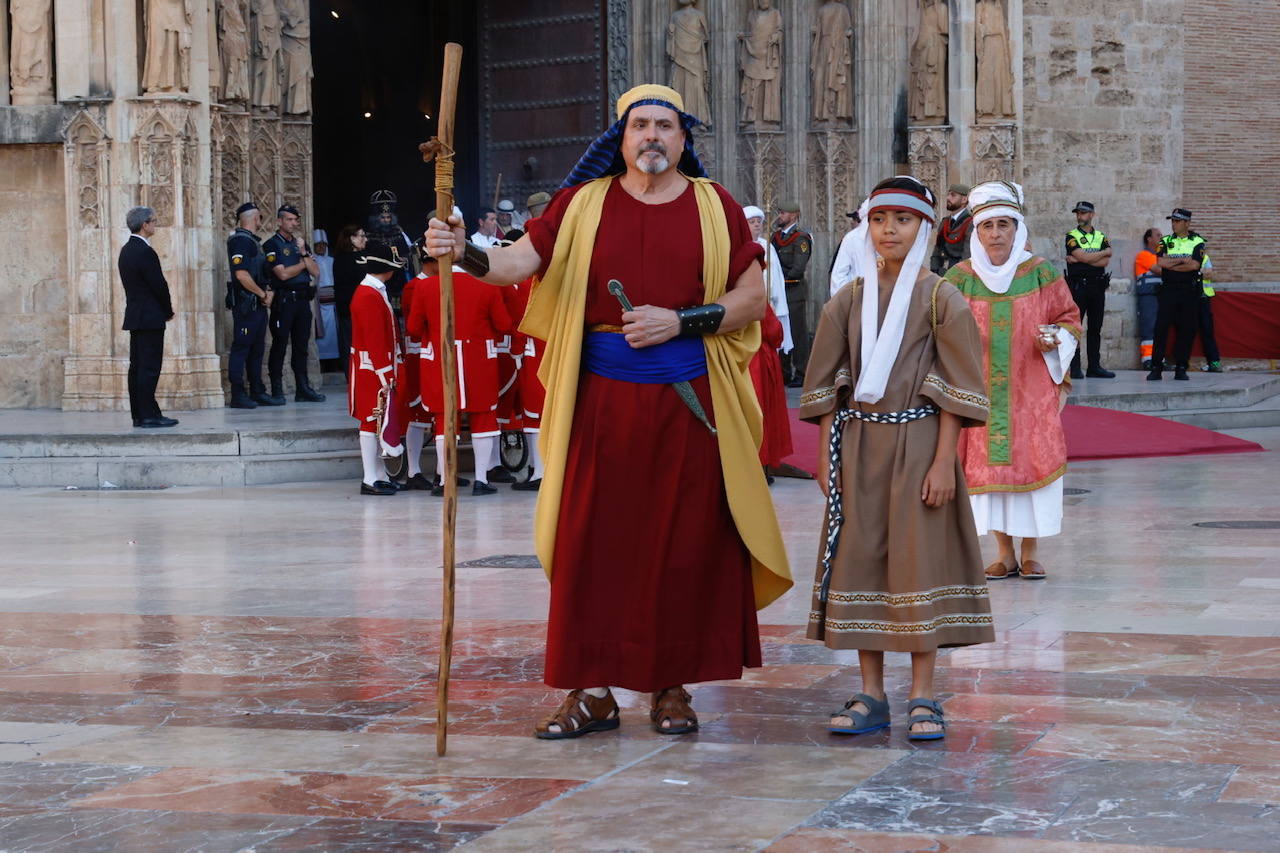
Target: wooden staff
440, 148
497, 191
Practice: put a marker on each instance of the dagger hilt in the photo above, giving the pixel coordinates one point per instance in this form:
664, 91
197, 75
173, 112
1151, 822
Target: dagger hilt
615, 287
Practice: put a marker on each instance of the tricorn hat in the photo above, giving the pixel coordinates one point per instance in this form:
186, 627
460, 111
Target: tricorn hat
381, 257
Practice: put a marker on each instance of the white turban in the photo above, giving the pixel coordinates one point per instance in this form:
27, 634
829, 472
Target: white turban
987, 201
752, 212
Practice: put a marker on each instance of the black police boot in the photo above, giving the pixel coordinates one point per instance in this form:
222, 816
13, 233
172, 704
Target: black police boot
1076, 372
262, 398
239, 399
1156, 368
1100, 373
277, 392
1181, 373
304, 393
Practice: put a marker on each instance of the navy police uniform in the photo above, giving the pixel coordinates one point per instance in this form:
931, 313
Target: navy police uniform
291, 318
249, 319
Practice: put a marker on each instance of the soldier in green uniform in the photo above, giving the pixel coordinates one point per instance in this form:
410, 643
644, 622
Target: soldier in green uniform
795, 247
1088, 251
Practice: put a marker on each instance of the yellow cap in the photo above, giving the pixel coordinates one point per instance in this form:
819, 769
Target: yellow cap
649, 90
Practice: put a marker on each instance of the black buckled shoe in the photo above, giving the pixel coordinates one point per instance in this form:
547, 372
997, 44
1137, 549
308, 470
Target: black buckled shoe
379, 487
527, 486
501, 475
479, 488
418, 482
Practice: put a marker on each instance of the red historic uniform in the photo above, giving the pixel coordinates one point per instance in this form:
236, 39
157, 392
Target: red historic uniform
652, 583
527, 395
410, 392
374, 351
766, 373
480, 319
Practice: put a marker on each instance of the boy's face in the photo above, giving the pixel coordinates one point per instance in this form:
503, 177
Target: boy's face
893, 233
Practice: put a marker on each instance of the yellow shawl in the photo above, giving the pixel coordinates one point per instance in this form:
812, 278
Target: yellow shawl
556, 314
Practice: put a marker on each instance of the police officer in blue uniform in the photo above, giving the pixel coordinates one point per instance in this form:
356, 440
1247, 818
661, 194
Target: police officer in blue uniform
248, 299
1180, 258
1088, 251
291, 269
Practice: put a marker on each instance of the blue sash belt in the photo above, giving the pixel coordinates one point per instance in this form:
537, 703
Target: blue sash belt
609, 355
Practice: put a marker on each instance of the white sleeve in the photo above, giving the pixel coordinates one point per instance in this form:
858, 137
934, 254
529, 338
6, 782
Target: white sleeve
843, 272
778, 297
1059, 360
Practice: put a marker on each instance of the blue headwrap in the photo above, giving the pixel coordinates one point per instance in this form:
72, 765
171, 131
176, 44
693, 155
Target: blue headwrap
604, 156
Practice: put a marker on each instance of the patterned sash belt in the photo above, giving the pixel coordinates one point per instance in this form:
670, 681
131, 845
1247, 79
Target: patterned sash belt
835, 500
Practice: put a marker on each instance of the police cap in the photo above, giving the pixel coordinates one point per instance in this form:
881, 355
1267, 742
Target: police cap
245, 208
287, 208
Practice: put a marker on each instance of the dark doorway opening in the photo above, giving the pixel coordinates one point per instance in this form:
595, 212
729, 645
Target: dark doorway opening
377, 83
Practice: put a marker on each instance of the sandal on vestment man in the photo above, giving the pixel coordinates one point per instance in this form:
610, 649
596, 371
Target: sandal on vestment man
934, 716
999, 570
580, 714
875, 719
671, 706
1032, 571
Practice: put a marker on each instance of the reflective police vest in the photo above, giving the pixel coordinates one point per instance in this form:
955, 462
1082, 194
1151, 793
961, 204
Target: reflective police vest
1206, 276
1091, 242
1181, 247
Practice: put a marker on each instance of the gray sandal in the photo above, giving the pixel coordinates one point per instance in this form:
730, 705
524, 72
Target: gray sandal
935, 716
877, 717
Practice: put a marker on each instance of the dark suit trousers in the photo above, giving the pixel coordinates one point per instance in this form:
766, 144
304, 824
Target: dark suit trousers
146, 353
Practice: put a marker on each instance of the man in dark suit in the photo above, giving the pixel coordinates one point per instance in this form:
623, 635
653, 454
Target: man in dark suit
146, 310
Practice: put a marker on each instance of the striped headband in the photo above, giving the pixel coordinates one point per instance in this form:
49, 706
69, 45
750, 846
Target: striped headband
895, 198
996, 198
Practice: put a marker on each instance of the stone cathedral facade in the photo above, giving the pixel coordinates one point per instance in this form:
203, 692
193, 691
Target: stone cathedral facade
102, 110
192, 106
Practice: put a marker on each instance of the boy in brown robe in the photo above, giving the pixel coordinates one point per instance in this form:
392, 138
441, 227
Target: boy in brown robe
892, 379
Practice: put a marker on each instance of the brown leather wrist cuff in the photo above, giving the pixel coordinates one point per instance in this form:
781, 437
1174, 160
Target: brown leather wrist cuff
474, 260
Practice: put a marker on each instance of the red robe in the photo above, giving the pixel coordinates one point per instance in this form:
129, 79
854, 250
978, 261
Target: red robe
652, 586
480, 318
766, 373
374, 351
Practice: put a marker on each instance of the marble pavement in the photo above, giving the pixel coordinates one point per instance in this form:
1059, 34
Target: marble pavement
253, 668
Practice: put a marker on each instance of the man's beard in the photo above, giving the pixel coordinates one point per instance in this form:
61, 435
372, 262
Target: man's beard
649, 165
953, 206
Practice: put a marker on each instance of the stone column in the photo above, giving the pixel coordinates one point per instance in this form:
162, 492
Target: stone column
4, 53
881, 76
129, 151
73, 47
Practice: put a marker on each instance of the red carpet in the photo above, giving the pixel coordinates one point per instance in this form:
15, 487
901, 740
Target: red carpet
1092, 433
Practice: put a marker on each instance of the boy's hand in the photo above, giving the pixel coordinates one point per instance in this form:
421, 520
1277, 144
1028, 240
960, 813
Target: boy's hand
939, 485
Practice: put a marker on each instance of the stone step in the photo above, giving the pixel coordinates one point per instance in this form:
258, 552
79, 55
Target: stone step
147, 443
1262, 414
149, 472
1132, 393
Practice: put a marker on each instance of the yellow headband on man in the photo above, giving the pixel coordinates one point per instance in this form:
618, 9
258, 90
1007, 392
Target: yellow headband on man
647, 91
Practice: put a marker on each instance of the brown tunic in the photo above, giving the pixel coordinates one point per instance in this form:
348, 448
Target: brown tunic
928, 590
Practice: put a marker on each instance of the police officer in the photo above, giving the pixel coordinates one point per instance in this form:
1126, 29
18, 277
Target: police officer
1180, 256
289, 261
794, 246
1088, 251
248, 298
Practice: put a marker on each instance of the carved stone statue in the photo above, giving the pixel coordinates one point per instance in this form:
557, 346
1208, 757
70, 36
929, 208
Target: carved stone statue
830, 63
215, 58
762, 66
31, 52
265, 33
233, 40
928, 98
167, 67
995, 61
687, 49
295, 40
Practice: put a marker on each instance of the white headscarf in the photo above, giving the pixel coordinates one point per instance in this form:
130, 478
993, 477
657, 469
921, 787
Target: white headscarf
880, 344
987, 201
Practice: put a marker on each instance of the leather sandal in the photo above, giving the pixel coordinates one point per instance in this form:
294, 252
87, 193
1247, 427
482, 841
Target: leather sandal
579, 714
672, 706
998, 571
1032, 571
876, 718
935, 716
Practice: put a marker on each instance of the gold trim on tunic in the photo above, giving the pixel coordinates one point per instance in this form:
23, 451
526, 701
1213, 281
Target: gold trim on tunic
1029, 487
971, 398
905, 599
880, 626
